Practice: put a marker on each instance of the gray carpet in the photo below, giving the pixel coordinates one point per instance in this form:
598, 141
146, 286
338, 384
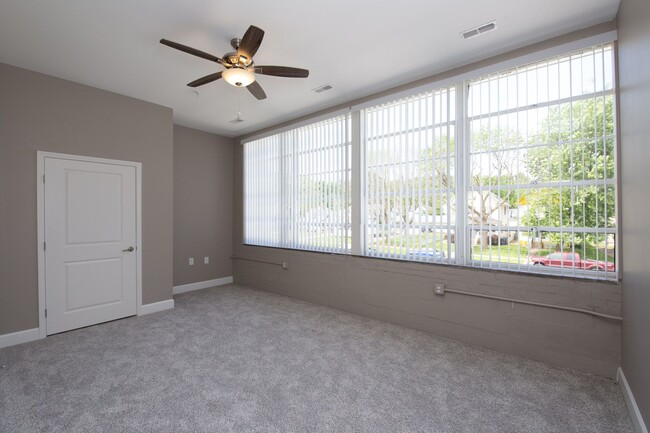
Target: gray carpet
234, 359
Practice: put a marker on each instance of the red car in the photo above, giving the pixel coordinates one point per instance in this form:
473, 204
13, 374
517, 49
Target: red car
572, 260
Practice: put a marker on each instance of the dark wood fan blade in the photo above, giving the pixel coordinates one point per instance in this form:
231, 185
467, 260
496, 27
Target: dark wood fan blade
251, 42
205, 80
282, 71
190, 50
256, 90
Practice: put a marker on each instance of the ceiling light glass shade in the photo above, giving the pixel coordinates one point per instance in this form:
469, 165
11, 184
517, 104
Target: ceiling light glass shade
238, 77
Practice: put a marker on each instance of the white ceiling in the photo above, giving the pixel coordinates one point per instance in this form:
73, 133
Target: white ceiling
359, 47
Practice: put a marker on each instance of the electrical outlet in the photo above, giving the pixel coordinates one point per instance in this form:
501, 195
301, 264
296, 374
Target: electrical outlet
191, 261
439, 289
285, 265
206, 260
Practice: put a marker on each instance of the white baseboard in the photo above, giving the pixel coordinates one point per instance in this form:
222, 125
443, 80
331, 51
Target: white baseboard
637, 420
19, 337
201, 285
156, 307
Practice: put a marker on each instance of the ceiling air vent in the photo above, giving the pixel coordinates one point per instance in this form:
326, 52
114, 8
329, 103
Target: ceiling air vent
321, 89
479, 30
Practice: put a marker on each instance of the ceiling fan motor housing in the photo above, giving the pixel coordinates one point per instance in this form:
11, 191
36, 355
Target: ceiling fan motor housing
237, 61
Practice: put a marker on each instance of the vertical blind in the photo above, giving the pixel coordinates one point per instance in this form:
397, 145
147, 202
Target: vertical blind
297, 188
409, 184
515, 170
542, 175
264, 185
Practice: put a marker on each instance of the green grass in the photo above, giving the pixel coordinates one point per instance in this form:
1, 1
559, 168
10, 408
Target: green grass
512, 253
515, 253
398, 245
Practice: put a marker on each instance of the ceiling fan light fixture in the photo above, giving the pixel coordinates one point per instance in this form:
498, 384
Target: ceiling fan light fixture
238, 77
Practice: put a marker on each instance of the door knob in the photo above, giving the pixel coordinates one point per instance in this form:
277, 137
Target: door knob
128, 250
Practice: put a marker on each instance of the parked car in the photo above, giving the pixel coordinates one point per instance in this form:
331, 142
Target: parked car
572, 260
427, 253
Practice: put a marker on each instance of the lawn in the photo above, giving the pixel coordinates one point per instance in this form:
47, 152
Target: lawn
401, 245
516, 253
512, 253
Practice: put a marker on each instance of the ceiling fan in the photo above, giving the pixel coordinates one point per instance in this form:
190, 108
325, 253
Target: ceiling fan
239, 67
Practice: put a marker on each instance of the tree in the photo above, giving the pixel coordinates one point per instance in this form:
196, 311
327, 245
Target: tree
398, 178
493, 164
576, 143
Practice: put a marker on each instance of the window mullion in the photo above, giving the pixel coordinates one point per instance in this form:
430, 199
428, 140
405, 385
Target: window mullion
357, 184
462, 174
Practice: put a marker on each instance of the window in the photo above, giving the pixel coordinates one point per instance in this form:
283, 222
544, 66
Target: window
297, 188
409, 177
513, 170
542, 166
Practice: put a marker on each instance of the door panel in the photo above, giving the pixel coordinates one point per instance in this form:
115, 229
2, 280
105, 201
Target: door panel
103, 273
100, 222
90, 218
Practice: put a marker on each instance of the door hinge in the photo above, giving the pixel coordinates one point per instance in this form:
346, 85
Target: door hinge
44, 246
46, 313
43, 178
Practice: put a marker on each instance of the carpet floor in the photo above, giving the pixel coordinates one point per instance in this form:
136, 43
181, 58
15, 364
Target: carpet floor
235, 359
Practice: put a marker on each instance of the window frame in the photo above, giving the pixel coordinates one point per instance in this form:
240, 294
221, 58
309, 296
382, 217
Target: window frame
448, 121
292, 146
461, 155
530, 268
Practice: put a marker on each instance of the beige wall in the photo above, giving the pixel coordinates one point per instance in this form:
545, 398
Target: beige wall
402, 292
39, 112
202, 205
634, 85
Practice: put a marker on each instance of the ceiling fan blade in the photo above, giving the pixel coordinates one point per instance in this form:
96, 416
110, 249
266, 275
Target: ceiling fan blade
251, 42
256, 90
190, 50
282, 71
205, 80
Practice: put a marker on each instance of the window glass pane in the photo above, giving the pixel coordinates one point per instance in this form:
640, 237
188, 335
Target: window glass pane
297, 188
410, 178
263, 192
541, 178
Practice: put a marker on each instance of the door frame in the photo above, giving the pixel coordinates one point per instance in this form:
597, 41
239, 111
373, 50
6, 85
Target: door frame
40, 209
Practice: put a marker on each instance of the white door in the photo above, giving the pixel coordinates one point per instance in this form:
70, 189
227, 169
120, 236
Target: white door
90, 234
